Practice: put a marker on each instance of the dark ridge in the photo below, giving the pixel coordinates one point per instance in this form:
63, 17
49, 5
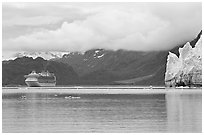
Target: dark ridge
145, 68
14, 71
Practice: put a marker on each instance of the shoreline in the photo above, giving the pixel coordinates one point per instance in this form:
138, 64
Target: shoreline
100, 90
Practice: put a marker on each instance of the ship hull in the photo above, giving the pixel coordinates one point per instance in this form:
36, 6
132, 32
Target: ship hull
47, 84
32, 83
38, 84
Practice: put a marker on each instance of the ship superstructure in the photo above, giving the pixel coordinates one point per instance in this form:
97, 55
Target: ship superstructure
43, 79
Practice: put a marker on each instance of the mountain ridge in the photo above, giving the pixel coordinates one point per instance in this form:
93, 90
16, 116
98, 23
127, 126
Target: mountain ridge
103, 67
13, 71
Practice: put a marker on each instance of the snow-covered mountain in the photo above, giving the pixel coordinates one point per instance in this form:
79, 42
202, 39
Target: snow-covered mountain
97, 54
103, 67
56, 55
44, 55
187, 68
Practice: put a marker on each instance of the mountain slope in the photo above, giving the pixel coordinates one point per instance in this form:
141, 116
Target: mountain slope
127, 65
107, 67
99, 66
13, 71
96, 67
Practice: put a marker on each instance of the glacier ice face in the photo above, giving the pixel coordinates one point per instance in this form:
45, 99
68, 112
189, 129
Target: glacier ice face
173, 66
187, 68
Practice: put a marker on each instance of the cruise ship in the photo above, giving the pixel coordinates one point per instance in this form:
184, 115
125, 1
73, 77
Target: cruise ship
43, 79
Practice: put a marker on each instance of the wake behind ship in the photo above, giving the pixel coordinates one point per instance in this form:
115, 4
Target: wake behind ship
43, 79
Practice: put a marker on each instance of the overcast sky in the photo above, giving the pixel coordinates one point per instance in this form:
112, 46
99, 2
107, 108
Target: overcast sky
84, 26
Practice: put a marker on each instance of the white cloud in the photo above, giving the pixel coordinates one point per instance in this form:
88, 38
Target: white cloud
150, 27
31, 21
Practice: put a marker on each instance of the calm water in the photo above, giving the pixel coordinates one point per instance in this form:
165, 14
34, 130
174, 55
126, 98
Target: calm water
56, 112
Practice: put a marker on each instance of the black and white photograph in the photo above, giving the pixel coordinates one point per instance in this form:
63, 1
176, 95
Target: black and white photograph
101, 67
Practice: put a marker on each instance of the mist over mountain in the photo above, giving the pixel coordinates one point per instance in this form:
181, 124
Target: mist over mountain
95, 67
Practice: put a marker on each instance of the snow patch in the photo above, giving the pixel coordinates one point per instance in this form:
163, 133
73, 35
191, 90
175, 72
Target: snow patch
44, 55
100, 56
97, 51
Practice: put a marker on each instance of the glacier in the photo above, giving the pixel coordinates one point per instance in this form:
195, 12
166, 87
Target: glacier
185, 70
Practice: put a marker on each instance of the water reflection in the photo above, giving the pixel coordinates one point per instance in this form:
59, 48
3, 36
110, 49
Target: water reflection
184, 112
44, 112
